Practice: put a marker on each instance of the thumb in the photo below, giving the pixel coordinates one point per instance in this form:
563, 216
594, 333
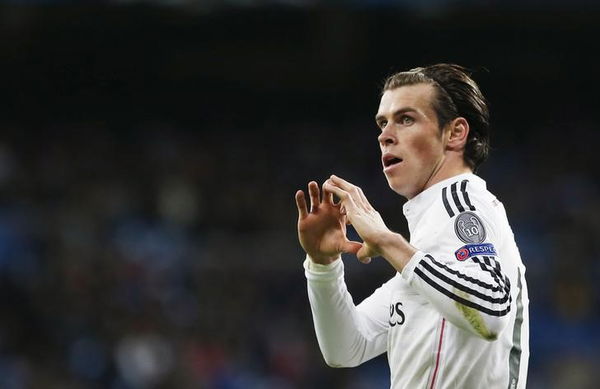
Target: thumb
364, 254
351, 247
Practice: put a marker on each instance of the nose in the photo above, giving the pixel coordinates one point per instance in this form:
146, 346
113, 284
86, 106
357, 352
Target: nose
386, 137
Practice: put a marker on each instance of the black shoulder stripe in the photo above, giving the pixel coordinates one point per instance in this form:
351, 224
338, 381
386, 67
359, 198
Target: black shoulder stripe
446, 203
455, 197
463, 189
459, 299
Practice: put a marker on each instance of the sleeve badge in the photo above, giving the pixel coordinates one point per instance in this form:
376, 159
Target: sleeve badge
469, 228
472, 250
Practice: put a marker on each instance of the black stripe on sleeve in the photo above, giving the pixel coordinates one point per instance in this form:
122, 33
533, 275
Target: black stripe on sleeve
494, 270
487, 267
446, 203
491, 268
495, 265
463, 189
455, 197
459, 299
494, 300
493, 288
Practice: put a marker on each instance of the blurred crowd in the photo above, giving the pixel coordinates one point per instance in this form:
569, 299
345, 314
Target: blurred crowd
166, 257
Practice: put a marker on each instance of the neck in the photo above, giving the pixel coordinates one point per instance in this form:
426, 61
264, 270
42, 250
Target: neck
448, 167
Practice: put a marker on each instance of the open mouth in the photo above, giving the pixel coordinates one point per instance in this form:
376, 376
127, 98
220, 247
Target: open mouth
390, 160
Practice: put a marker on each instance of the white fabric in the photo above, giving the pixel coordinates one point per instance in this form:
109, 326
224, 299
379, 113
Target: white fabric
444, 322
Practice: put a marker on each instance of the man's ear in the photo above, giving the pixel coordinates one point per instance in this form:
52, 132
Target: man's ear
458, 131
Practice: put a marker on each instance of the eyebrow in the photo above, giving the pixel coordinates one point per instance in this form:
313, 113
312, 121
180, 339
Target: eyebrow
395, 113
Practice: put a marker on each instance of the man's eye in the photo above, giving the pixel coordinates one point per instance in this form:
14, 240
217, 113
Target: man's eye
406, 120
382, 124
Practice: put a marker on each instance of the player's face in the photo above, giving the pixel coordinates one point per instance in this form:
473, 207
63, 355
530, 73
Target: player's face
411, 142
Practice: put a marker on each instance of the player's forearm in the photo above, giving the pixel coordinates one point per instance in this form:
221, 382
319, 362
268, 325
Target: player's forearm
395, 249
343, 338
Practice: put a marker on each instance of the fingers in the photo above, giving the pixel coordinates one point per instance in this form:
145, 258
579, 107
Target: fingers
345, 199
327, 196
314, 195
363, 254
341, 182
348, 194
354, 191
313, 192
301, 204
361, 250
365, 260
351, 247
363, 198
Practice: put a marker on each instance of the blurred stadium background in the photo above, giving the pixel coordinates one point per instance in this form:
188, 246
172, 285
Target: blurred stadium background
149, 153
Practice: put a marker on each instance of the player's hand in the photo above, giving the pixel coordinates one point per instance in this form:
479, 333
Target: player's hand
322, 231
364, 218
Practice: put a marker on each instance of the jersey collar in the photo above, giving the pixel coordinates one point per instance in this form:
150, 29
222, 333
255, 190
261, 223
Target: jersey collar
414, 208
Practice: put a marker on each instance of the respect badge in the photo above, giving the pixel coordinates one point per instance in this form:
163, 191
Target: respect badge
472, 250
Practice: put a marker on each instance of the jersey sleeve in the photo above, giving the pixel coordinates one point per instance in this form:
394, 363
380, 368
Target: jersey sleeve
348, 335
459, 271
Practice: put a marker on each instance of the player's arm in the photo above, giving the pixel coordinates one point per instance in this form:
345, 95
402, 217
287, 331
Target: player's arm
468, 282
347, 335
473, 294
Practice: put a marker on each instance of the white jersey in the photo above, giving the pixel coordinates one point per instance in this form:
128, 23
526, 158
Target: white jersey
456, 317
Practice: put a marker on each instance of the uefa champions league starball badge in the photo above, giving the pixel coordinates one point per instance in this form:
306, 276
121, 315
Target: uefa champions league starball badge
469, 228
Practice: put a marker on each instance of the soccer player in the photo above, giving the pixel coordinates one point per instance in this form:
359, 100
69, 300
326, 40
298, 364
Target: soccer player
455, 315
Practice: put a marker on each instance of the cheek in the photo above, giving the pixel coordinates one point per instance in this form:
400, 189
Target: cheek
424, 148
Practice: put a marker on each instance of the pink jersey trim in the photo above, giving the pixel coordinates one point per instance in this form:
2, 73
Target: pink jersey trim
437, 361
